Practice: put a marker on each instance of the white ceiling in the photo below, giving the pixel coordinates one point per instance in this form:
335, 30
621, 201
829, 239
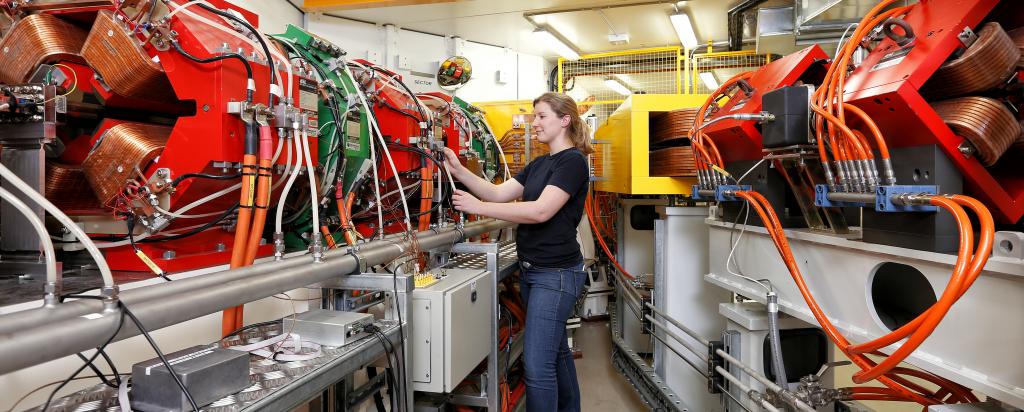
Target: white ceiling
501, 22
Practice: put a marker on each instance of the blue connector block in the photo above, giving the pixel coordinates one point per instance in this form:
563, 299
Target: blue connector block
720, 195
884, 195
883, 198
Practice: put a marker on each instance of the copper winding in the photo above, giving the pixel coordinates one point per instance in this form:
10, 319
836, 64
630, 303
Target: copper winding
990, 61
67, 187
120, 154
35, 40
672, 125
514, 146
673, 162
118, 57
1017, 35
1018, 145
986, 123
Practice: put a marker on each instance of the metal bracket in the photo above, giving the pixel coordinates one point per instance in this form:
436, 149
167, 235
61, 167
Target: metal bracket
885, 198
722, 193
715, 379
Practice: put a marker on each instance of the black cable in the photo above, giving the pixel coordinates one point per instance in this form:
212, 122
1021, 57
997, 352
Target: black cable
266, 50
252, 326
130, 222
219, 57
388, 351
179, 179
95, 370
212, 223
159, 354
401, 334
419, 107
89, 361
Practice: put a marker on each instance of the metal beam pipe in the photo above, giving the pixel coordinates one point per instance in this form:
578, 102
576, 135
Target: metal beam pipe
81, 325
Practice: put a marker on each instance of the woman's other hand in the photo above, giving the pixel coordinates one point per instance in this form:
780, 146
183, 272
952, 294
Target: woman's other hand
467, 203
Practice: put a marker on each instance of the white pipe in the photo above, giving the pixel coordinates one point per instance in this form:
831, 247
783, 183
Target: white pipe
101, 263
186, 208
744, 388
387, 154
291, 180
44, 238
310, 172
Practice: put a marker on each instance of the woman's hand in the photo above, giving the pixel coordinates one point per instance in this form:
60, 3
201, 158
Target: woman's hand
467, 203
451, 161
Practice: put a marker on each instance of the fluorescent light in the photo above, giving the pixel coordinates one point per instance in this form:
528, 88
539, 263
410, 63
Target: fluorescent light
684, 29
709, 80
556, 45
617, 87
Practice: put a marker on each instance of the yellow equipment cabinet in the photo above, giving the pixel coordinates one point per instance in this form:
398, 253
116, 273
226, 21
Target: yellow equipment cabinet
623, 143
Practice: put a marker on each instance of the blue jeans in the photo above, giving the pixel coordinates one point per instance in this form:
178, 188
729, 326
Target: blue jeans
550, 295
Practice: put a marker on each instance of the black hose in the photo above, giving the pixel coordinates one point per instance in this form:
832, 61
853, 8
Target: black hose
219, 57
179, 179
266, 50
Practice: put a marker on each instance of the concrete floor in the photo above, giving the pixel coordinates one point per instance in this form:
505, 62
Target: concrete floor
601, 386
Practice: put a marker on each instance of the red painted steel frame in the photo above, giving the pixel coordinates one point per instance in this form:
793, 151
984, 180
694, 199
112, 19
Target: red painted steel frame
889, 94
741, 140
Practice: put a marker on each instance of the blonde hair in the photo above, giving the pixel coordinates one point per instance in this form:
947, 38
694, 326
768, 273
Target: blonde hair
563, 105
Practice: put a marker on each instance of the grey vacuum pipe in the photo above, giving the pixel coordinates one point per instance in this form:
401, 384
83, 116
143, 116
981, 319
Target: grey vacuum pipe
35, 336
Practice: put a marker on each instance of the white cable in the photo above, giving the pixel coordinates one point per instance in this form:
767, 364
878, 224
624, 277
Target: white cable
387, 154
310, 171
101, 263
282, 136
410, 187
40, 227
178, 215
186, 208
292, 176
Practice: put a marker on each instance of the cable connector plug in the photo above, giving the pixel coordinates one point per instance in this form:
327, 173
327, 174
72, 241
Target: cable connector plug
278, 246
317, 249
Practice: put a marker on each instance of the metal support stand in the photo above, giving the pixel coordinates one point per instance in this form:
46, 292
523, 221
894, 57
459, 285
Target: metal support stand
498, 260
645, 380
402, 286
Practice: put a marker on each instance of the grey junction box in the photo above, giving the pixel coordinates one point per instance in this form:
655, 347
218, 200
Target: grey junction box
209, 373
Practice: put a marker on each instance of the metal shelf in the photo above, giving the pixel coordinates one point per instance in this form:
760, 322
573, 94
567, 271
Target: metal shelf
276, 386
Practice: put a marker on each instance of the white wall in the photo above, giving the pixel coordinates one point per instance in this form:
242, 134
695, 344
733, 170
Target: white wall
418, 55
275, 15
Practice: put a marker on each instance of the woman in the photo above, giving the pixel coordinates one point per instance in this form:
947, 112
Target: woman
553, 188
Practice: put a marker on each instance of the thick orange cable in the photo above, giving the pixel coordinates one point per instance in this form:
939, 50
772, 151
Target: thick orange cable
241, 232
954, 289
883, 149
774, 228
600, 239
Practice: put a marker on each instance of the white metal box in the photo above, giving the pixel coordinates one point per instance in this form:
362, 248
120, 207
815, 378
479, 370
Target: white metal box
450, 328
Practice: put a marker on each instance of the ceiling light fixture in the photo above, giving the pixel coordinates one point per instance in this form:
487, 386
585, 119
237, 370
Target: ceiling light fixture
684, 29
709, 80
617, 87
556, 44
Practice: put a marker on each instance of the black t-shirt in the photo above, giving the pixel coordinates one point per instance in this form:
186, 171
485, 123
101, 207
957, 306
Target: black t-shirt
553, 243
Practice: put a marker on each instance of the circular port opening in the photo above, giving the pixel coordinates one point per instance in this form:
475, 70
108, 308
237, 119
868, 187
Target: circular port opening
899, 293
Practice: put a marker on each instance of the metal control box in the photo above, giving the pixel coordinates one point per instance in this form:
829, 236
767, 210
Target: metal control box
209, 373
451, 328
328, 327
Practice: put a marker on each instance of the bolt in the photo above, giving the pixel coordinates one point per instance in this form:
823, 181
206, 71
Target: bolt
206, 107
169, 254
221, 247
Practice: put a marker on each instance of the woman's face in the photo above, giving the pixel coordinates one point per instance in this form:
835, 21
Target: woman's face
547, 123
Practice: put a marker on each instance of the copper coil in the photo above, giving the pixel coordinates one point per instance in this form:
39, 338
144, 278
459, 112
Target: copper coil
118, 57
1018, 144
986, 64
35, 40
673, 162
119, 156
67, 187
513, 144
1017, 35
672, 125
986, 123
